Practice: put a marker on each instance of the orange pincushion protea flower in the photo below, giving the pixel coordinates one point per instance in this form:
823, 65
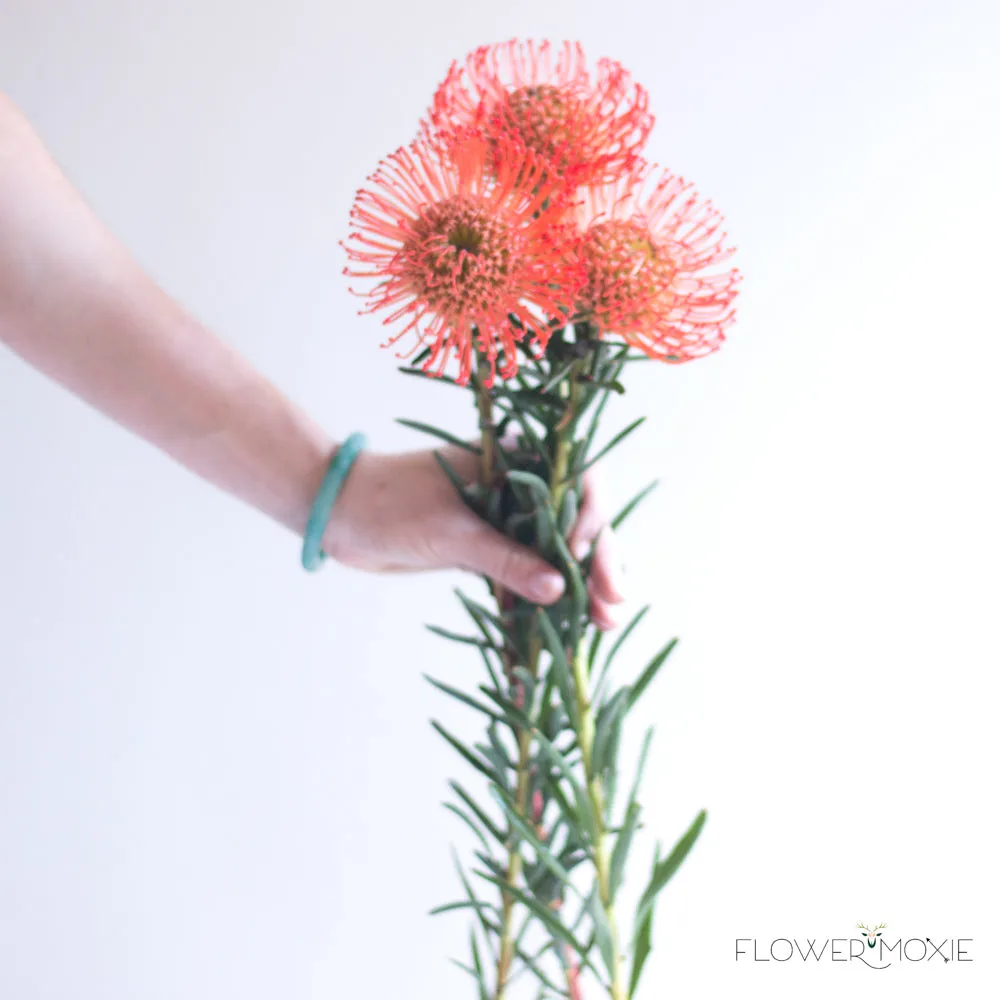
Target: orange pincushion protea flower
645, 253
589, 129
459, 241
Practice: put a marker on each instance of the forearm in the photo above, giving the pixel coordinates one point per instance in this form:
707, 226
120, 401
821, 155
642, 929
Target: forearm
75, 305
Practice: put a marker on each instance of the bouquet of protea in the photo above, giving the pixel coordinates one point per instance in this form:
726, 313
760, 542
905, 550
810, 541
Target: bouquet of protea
522, 235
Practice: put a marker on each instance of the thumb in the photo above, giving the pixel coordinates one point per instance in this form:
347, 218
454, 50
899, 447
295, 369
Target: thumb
515, 567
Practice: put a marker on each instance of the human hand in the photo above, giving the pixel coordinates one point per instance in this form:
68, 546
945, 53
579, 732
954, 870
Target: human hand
400, 513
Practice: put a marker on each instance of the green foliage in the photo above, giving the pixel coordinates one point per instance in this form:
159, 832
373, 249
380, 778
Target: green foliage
664, 871
619, 519
643, 941
552, 847
616, 440
442, 434
646, 677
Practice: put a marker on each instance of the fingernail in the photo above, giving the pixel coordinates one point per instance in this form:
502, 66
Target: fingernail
606, 624
580, 550
616, 577
547, 587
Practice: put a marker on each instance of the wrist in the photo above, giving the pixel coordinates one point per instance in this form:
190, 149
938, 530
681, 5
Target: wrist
319, 538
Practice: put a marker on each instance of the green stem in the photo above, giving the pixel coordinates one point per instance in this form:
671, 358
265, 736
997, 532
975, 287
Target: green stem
564, 441
514, 860
484, 405
515, 863
595, 795
569, 391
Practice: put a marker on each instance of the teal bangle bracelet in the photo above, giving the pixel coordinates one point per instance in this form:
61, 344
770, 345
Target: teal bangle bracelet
313, 555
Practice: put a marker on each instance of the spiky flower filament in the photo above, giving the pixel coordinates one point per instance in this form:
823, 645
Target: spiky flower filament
461, 232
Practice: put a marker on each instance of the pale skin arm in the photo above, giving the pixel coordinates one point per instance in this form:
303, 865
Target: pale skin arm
75, 305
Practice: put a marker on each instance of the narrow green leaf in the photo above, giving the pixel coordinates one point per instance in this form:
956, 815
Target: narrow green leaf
595, 420
602, 932
527, 832
481, 615
606, 729
646, 677
469, 640
469, 756
461, 965
522, 408
595, 646
437, 432
536, 484
665, 870
623, 844
579, 815
643, 941
491, 864
557, 377
456, 480
560, 665
577, 589
421, 357
584, 911
465, 818
494, 831
530, 964
640, 766
480, 915
464, 698
498, 759
614, 442
568, 514
420, 373
539, 973
462, 904
529, 685
487, 637
489, 668
566, 808
619, 518
614, 385
534, 441
500, 753
613, 652
513, 716
525, 925
542, 912
554, 755
483, 992
572, 857
544, 530
545, 706
611, 771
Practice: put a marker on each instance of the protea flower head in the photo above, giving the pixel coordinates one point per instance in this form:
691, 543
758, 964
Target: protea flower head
466, 248
589, 127
648, 246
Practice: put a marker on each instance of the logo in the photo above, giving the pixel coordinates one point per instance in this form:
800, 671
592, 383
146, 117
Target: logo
872, 950
874, 934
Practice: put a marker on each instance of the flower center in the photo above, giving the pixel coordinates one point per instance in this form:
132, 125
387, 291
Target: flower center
460, 256
465, 237
626, 271
546, 118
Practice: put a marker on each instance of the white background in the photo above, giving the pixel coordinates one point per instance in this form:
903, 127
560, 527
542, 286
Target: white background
217, 779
